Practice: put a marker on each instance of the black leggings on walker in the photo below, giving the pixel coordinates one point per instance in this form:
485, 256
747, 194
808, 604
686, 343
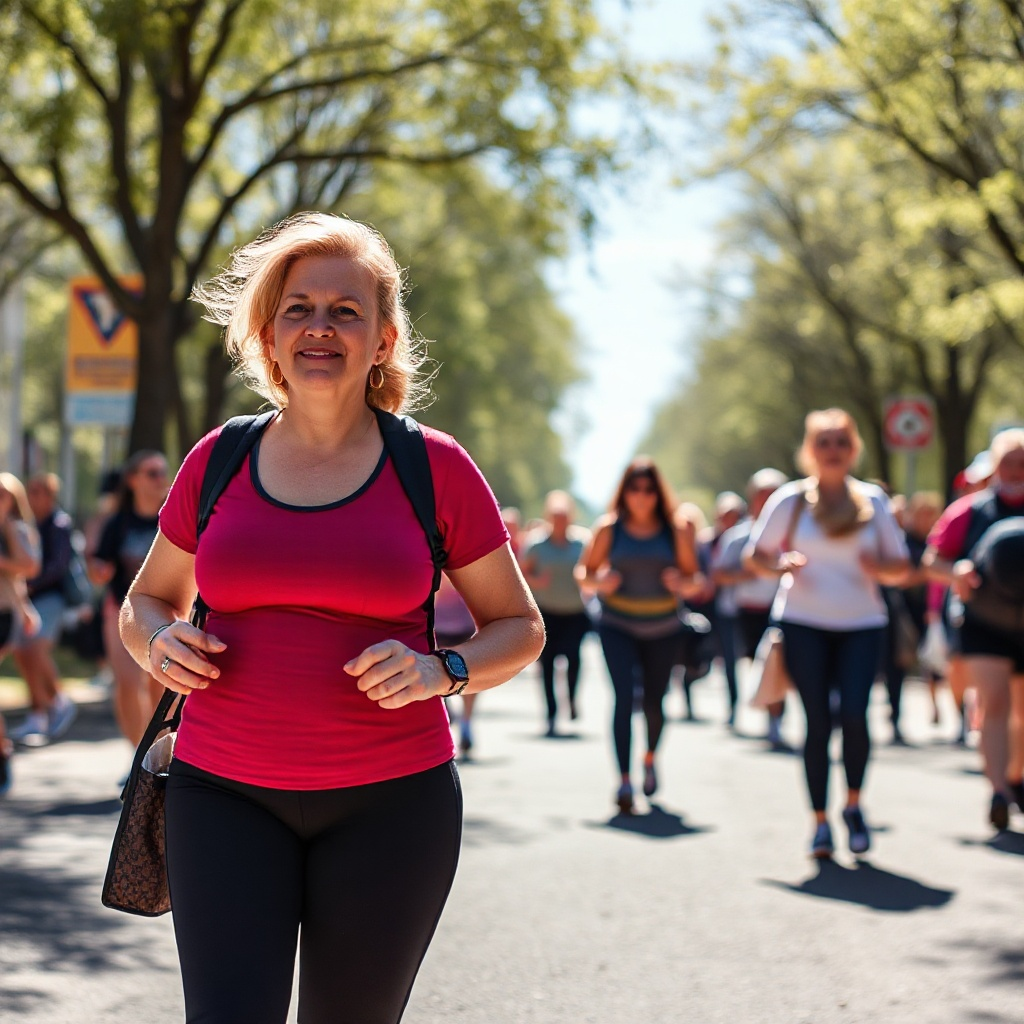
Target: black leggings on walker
365, 871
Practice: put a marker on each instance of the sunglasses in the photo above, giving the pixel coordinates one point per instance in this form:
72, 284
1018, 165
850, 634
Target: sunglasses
153, 473
833, 442
641, 488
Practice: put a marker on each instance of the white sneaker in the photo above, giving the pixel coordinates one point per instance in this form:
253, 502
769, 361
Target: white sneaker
32, 731
61, 715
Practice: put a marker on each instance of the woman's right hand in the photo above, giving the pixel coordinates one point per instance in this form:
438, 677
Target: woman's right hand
791, 561
184, 648
965, 579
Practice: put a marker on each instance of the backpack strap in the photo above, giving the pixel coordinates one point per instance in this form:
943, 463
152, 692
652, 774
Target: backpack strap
237, 438
408, 451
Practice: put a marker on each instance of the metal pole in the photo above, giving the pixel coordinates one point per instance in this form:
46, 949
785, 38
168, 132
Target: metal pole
910, 483
12, 342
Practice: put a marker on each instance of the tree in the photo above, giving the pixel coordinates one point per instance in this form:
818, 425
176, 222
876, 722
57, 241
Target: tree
151, 136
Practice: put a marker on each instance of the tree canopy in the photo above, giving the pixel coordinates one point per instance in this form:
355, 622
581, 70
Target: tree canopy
153, 137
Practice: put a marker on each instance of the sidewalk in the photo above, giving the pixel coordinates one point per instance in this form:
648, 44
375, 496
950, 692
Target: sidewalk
703, 908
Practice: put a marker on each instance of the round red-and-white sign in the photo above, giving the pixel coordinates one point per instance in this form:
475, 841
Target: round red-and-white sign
909, 424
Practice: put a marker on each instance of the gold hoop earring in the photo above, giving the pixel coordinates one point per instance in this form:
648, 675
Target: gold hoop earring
277, 381
376, 387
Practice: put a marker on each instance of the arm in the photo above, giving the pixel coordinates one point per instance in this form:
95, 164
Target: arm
21, 561
685, 579
162, 595
593, 573
510, 635
960, 575
54, 568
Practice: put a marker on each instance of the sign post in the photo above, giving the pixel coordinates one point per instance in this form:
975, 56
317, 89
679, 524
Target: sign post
908, 423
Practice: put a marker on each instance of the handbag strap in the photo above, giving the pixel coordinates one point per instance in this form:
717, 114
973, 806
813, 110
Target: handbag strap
794, 519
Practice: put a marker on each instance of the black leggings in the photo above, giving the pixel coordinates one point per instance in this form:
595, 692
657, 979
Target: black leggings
364, 870
634, 662
565, 633
821, 661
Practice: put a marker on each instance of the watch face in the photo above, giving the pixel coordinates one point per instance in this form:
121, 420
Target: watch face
456, 666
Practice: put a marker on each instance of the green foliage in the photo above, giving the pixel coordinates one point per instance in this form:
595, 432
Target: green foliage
156, 136
882, 238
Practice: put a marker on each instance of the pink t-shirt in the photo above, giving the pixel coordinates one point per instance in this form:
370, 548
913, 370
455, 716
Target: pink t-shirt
949, 534
298, 592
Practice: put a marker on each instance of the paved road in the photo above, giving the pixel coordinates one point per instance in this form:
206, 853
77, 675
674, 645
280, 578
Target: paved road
702, 908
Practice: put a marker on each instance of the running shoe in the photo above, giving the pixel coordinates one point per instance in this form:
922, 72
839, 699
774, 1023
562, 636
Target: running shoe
1017, 792
5, 768
650, 779
821, 844
860, 834
31, 732
624, 798
465, 738
60, 717
999, 812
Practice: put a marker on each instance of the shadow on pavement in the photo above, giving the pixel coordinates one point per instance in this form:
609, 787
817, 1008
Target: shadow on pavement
1003, 842
869, 887
657, 823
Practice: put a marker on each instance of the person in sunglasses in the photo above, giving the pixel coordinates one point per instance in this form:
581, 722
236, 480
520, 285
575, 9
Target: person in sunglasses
122, 548
640, 566
833, 540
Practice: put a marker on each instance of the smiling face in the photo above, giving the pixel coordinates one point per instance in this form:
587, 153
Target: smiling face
326, 331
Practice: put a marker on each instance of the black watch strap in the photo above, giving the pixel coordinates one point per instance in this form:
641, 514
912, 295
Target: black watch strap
455, 668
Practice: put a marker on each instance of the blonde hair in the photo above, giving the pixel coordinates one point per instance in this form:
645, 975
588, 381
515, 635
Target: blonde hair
1006, 441
243, 299
14, 487
854, 510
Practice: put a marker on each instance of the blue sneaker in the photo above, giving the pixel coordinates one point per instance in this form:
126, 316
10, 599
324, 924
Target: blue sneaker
60, 716
821, 844
860, 834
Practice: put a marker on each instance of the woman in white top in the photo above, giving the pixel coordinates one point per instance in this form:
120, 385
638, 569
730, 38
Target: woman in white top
832, 539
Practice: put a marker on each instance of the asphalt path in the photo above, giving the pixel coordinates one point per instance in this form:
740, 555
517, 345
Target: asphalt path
702, 907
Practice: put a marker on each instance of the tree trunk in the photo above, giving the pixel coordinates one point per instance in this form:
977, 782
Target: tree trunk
217, 369
153, 397
955, 411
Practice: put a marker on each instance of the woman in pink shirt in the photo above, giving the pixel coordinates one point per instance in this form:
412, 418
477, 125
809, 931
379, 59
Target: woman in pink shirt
313, 784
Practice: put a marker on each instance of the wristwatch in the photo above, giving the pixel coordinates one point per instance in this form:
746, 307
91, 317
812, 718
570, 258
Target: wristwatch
455, 665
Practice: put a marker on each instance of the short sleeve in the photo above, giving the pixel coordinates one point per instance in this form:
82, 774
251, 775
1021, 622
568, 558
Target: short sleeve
891, 542
772, 524
729, 555
949, 534
180, 511
106, 549
467, 511
29, 540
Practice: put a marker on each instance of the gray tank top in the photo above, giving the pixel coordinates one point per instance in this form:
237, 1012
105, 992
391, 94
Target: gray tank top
641, 606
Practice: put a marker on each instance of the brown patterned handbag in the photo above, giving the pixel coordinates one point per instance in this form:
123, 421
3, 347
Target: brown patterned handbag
136, 879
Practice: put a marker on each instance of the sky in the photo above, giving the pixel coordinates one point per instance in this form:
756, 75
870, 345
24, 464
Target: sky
630, 319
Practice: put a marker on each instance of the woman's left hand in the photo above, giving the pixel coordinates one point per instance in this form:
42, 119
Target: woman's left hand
394, 675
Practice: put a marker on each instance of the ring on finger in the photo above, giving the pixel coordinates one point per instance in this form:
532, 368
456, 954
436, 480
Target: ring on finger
165, 665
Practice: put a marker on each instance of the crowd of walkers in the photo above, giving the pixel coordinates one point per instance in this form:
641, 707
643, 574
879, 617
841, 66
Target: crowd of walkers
864, 585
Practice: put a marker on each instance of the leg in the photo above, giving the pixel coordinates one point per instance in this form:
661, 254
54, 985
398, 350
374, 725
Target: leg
620, 654
235, 872
376, 883
727, 637
133, 703
990, 675
1015, 769
574, 641
857, 661
552, 629
657, 658
808, 661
